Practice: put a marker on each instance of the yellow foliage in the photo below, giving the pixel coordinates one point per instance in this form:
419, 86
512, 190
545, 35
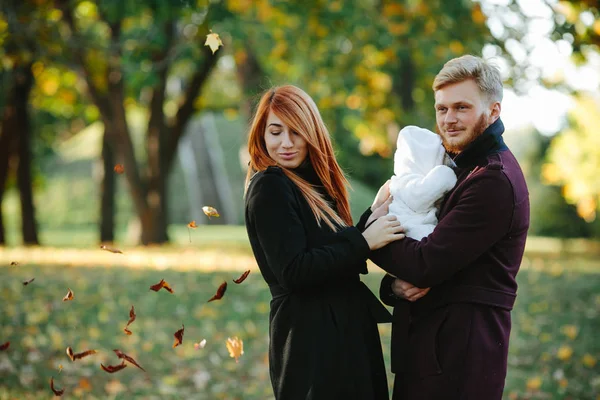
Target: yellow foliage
393, 9
353, 102
456, 47
239, 6
568, 10
570, 331
564, 353
534, 383
398, 29
596, 27
588, 360
574, 158
477, 15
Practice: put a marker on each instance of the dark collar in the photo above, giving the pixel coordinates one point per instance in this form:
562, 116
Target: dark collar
488, 143
308, 173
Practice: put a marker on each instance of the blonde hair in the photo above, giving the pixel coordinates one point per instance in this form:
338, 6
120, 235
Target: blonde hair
299, 112
486, 76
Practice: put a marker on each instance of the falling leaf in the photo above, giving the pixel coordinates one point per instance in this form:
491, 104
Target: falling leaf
113, 368
220, 292
210, 211
131, 319
235, 347
25, 283
60, 367
124, 356
77, 356
160, 285
213, 41
14, 263
200, 345
69, 295
119, 168
242, 278
56, 392
193, 226
4, 346
178, 337
111, 249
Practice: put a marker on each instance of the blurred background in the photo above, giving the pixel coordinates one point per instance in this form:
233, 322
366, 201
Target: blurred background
118, 124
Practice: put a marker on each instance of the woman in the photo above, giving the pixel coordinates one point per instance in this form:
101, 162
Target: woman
324, 342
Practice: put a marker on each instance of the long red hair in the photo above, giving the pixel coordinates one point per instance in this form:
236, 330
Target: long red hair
299, 112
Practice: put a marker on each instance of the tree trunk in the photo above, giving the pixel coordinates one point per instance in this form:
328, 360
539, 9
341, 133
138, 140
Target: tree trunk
404, 83
107, 191
7, 141
23, 84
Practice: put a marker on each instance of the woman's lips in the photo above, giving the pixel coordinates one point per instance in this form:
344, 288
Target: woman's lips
287, 156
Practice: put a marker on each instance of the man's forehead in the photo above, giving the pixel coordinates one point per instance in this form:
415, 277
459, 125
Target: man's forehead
460, 92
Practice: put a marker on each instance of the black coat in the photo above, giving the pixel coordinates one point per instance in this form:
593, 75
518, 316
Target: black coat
324, 342
453, 343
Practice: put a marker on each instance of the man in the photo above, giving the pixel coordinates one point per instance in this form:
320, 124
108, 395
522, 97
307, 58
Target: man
453, 342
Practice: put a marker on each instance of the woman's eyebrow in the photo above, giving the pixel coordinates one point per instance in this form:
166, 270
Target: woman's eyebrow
275, 124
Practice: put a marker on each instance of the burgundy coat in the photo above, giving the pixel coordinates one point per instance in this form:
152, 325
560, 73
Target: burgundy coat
453, 343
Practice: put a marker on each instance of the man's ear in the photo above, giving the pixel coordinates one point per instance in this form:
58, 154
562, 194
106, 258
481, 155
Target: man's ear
495, 109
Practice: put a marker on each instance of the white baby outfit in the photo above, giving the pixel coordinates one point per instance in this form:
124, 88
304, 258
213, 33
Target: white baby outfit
420, 179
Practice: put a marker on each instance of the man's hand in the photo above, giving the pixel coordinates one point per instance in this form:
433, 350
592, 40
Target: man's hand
383, 194
408, 291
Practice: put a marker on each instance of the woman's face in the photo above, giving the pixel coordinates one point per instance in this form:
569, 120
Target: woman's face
286, 147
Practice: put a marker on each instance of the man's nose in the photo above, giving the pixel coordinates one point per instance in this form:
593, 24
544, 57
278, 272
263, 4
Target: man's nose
450, 117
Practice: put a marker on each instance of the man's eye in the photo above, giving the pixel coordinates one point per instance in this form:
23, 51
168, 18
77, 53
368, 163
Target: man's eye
441, 109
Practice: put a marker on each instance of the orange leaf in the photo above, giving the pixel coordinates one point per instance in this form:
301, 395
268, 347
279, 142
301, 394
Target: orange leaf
192, 225
56, 392
111, 249
220, 292
25, 283
127, 331
242, 278
4, 346
113, 368
69, 295
77, 356
178, 337
119, 168
210, 211
235, 347
200, 345
124, 356
160, 285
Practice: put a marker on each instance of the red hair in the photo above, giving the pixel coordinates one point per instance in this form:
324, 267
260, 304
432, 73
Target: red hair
299, 112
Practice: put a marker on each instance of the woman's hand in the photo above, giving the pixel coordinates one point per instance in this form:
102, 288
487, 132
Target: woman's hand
383, 194
408, 291
383, 231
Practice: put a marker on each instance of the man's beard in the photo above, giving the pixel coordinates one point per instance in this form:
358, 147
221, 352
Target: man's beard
457, 147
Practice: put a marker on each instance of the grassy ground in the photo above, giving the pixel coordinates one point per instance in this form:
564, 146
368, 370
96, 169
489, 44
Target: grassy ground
553, 355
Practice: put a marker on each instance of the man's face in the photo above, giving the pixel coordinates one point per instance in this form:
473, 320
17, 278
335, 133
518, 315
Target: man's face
462, 114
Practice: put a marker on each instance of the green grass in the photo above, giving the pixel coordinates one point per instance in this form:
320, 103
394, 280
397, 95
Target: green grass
554, 349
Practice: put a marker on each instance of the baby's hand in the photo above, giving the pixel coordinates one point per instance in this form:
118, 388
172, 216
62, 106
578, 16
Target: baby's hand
380, 211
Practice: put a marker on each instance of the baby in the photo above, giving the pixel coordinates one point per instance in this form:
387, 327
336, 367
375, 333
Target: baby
421, 178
